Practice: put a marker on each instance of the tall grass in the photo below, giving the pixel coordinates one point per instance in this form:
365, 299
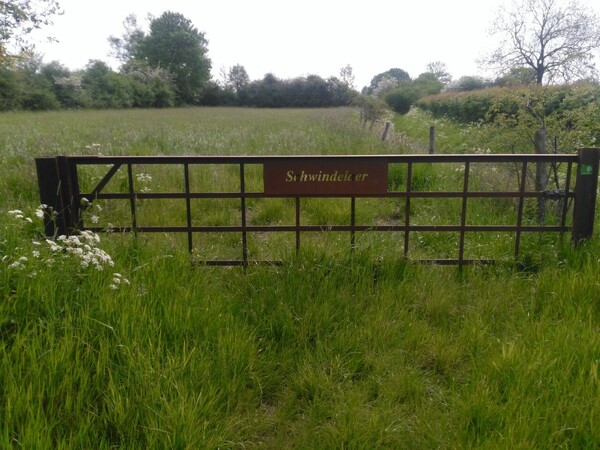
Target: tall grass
332, 349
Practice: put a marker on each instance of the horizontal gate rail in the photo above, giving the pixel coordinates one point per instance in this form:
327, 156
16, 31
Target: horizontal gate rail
59, 184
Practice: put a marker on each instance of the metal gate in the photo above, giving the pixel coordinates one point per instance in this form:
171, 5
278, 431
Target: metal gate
298, 178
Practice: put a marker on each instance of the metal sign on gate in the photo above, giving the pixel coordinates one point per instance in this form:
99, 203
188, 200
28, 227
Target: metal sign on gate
313, 176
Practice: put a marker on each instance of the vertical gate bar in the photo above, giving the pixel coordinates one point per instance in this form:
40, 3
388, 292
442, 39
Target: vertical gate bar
586, 186
565, 206
65, 193
132, 199
188, 205
352, 223
49, 186
522, 184
297, 224
407, 208
75, 200
463, 215
243, 206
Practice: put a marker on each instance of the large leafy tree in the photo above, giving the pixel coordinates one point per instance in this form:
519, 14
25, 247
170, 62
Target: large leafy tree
174, 44
18, 18
386, 81
556, 39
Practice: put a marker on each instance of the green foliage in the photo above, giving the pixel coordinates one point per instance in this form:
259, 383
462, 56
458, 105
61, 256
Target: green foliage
106, 89
302, 92
18, 18
11, 90
394, 75
402, 98
360, 350
566, 112
174, 44
372, 109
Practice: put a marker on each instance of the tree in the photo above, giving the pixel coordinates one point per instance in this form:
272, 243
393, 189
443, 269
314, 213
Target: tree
517, 76
468, 83
556, 40
440, 71
238, 78
386, 81
347, 76
124, 48
18, 18
174, 44
403, 97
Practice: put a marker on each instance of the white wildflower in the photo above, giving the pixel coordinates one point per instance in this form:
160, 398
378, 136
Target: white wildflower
143, 177
16, 265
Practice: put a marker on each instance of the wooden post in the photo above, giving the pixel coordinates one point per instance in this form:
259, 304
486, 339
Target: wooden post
431, 140
386, 129
57, 183
586, 185
541, 173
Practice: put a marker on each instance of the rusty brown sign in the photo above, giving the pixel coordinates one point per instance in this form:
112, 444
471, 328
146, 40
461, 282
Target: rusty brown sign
322, 176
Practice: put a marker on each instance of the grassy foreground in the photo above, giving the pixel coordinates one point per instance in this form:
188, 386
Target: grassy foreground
345, 351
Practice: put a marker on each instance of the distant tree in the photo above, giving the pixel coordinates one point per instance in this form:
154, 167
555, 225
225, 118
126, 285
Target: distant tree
151, 87
347, 76
124, 47
555, 39
238, 78
468, 83
440, 71
11, 89
403, 97
372, 109
106, 88
517, 76
386, 81
18, 18
174, 44
65, 85
340, 93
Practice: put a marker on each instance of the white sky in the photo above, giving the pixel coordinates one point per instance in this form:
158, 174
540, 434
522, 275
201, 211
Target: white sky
298, 38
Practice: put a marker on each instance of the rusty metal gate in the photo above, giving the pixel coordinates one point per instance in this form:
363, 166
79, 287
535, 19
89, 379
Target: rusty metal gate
297, 178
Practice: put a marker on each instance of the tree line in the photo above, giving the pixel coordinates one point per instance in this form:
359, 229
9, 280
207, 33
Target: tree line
168, 65
35, 85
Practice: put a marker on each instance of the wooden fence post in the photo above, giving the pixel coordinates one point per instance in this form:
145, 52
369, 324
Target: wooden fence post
386, 129
586, 186
431, 140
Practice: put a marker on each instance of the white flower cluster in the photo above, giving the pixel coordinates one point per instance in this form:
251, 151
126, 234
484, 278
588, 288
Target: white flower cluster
144, 179
118, 280
83, 247
19, 215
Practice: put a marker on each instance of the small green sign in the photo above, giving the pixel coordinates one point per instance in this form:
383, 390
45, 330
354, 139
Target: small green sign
586, 169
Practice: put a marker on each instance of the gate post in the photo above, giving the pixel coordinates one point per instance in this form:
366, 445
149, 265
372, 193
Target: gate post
586, 185
431, 140
57, 183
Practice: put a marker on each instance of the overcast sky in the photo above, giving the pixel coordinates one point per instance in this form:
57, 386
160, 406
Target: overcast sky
298, 38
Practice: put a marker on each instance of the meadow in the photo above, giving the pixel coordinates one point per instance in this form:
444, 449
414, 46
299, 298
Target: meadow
115, 342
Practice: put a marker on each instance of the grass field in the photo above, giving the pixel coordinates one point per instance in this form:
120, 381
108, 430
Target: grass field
122, 343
